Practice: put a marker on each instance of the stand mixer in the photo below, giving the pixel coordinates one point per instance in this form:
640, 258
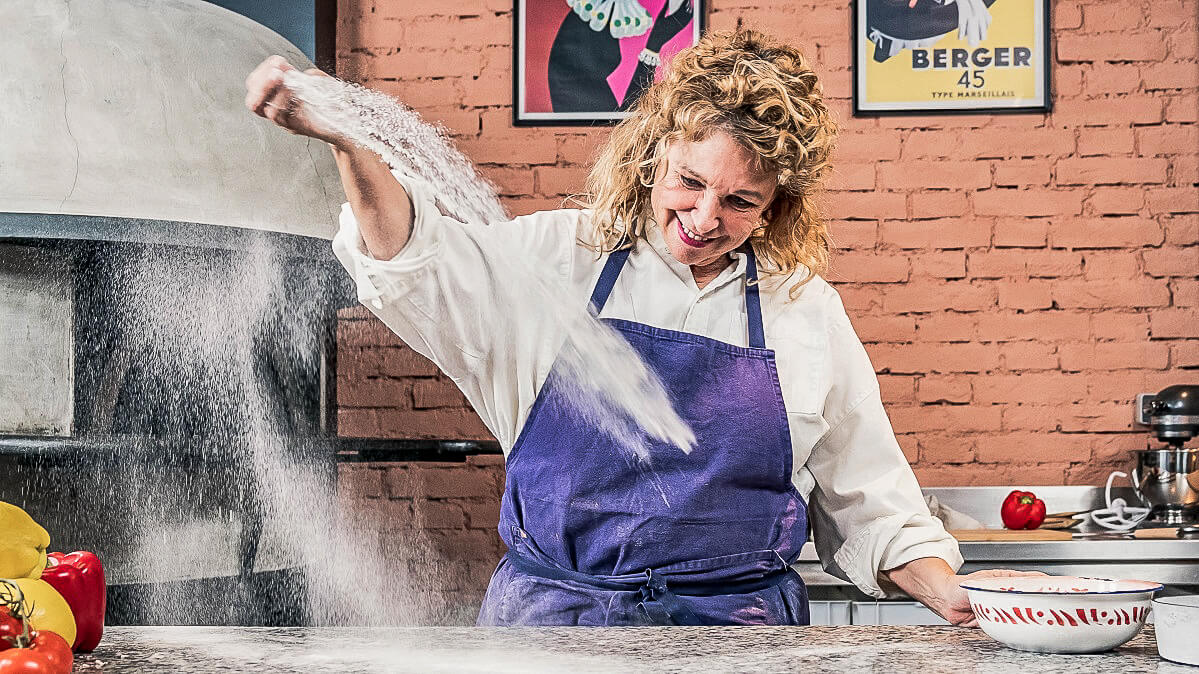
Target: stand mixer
1167, 479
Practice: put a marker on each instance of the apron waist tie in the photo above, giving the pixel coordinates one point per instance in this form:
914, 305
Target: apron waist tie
661, 604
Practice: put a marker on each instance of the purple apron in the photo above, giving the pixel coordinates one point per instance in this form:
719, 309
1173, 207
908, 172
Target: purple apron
591, 539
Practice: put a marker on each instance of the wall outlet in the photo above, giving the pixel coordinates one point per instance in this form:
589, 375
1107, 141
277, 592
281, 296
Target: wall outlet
1141, 413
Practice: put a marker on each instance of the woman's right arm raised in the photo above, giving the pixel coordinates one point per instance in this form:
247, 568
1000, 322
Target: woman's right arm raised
380, 204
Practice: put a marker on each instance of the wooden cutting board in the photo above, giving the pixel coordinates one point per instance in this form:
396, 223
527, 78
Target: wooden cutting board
1011, 534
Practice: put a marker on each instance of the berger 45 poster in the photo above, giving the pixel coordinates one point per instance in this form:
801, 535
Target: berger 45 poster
951, 55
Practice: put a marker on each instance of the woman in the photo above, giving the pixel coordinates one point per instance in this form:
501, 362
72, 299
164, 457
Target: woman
709, 254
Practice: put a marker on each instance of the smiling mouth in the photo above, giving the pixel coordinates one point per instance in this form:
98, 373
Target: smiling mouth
691, 238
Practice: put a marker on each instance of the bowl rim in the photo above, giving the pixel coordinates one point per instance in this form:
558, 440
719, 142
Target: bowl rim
1167, 600
1150, 587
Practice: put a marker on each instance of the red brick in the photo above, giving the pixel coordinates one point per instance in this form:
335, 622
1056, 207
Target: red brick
944, 389
515, 147
1110, 171
482, 515
1171, 261
1173, 200
1106, 79
1104, 294
1119, 326
1022, 172
867, 147
510, 181
953, 295
438, 514
1168, 139
869, 268
909, 445
938, 204
1105, 233
434, 393
1028, 203
1026, 417
1001, 143
1050, 326
866, 205
1102, 17
1020, 232
1183, 45
948, 233
1116, 200
918, 175
374, 392
1095, 418
1033, 447
1068, 79
930, 144
528, 205
897, 389
1002, 263
859, 298
854, 234
553, 180
1108, 111
580, 148
948, 326
1170, 75
872, 329
1174, 323
1027, 475
1113, 356
1110, 264
360, 482
1184, 354
1144, 45
1029, 388
421, 94
404, 362
1171, 14
941, 264
946, 447
924, 357
1185, 292
1020, 356
1181, 109
446, 423
1105, 141
852, 176
1181, 230
956, 418
1025, 295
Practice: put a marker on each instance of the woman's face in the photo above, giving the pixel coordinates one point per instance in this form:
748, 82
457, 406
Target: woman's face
708, 196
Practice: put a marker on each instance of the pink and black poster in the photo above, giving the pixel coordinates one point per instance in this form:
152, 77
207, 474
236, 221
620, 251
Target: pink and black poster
587, 61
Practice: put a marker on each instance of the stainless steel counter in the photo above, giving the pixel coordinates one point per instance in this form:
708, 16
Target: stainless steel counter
1171, 562
183, 650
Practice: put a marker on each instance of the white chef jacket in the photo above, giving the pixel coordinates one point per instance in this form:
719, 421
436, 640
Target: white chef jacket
454, 295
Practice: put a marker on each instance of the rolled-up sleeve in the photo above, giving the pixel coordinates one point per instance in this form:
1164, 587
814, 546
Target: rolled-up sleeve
460, 295
868, 514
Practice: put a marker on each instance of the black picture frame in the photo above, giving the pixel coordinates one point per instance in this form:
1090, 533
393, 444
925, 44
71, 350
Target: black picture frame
861, 43
522, 116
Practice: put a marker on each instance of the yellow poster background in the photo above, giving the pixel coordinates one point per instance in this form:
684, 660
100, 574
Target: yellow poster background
897, 85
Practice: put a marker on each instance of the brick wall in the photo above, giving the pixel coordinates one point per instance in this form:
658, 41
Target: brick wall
1017, 279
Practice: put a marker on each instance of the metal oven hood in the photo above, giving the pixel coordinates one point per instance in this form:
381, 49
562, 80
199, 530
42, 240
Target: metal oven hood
130, 109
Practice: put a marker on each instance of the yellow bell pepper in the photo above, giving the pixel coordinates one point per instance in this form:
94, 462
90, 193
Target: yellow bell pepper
23, 544
46, 608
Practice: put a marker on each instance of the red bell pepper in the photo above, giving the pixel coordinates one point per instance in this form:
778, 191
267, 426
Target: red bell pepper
79, 578
1022, 510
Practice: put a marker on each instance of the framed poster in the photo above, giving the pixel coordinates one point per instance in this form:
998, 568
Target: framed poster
587, 61
945, 56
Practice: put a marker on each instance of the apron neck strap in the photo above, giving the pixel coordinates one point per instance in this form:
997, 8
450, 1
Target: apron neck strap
753, 303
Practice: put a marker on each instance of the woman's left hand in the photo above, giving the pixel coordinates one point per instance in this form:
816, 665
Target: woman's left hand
955, 603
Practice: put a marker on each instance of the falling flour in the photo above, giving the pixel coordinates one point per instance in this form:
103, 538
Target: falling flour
605, 380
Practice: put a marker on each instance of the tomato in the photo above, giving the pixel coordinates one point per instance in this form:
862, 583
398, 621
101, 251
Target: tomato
26, 661
46, 653
10, 628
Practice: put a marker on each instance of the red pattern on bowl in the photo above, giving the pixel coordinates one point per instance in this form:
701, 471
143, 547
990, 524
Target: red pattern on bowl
1061, 614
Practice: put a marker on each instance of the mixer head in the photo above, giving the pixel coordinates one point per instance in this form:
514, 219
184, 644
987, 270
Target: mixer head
1172, 413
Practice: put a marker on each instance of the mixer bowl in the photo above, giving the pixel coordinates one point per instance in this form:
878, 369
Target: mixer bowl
1167, 480
1060, 614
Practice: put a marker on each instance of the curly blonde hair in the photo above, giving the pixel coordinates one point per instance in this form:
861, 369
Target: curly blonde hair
762, 93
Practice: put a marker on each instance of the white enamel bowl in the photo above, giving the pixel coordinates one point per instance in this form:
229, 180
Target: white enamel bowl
1176, 622
1060, 614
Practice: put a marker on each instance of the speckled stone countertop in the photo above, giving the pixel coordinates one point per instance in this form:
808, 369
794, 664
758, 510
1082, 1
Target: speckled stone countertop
577, 650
